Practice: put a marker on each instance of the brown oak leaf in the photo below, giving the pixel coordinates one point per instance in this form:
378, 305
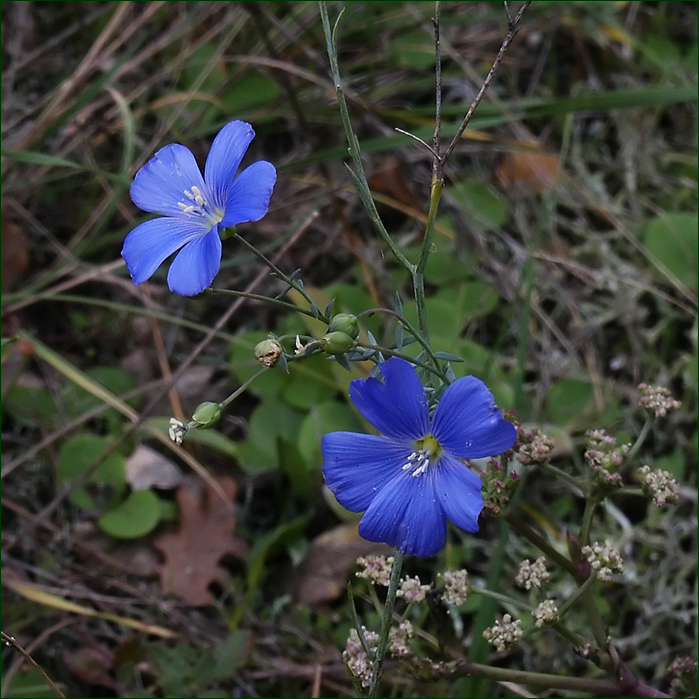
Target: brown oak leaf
205, 535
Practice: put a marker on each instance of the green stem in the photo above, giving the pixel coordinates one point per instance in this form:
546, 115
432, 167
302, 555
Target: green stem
416, 362
582, 590
639, 441
559, 473
358, 176
419, 272
600, 688
284, 277
590, 505
241, 389
386, 622
415, 333
266, 299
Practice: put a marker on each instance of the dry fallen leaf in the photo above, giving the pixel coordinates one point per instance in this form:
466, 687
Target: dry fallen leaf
205, 535
147, 468
15, 251
322, 575
531, 170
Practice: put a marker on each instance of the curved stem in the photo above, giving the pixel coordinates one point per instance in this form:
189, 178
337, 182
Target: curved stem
267, 299
400, 355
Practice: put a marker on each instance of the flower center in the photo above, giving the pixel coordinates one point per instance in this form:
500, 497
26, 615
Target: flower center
199, 206
427, 450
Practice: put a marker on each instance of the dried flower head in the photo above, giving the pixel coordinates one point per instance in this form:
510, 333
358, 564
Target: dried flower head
657, 400
177, 430
504, 634
604, 560
532, 574
659, 485
456, 587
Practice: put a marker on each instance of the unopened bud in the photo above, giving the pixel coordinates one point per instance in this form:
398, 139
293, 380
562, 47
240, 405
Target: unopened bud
337, 343
206, 415
268, 352
345, 323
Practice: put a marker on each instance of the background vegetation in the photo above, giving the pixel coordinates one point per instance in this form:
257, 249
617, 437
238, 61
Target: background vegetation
564, 273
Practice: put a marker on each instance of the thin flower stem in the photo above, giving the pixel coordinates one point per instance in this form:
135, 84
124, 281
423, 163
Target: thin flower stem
358, 176
559, 473
393, 353
267, 299
639, 441
582, 590
284, 277
242, 388
416, 334
503, 599
590, 504
601, 688
386, 621
512, 30
528, 533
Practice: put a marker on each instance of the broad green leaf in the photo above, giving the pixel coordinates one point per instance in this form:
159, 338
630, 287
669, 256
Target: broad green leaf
77, 455
137, 516
672, 239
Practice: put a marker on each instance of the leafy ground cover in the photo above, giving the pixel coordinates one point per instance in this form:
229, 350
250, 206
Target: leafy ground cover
563, 273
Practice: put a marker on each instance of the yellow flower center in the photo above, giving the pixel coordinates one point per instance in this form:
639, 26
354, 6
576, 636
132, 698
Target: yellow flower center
427, 450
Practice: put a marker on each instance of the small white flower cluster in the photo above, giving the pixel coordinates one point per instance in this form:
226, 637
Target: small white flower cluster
659, 485
456, 587
504, 634
177, 431
412, 590
356, 658
657, 400
376, 569
535, 447
532, 574
604, 457
398, 639
545, 614
604, 560
359, 663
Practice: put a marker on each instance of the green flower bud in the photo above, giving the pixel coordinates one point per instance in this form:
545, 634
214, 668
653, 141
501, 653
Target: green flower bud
337, 343
206, 415
268, 352
345, 323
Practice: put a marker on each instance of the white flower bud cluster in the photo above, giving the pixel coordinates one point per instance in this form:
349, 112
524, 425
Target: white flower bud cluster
504, 634
356, 658
604, 560
537, 449
412, 590
398, 639
604, 457
376, 569
532, 574
657, 400
456, 587
545, 614
659, 485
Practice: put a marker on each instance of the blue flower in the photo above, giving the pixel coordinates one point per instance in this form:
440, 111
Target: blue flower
411, 480
195, 209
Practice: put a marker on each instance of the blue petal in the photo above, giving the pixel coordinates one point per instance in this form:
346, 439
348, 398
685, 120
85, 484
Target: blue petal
407, 513
196, 265
160, 184
467, 422
396, 406
150, 243
224, 158
357, 466
248, 198
459, 491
